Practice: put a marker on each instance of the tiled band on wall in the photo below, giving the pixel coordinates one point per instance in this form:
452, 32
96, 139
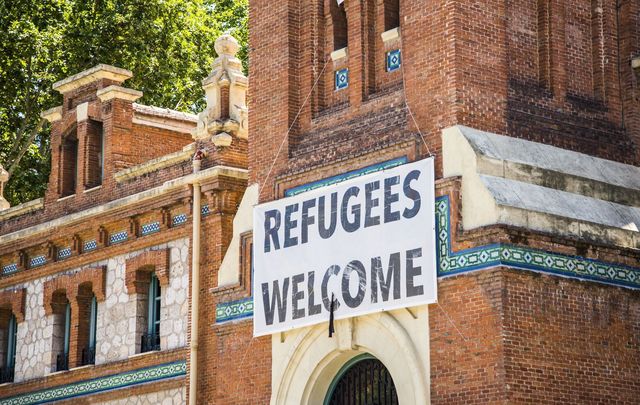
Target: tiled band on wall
96, 385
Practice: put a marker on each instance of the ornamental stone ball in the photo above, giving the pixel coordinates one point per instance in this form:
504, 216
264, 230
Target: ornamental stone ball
226, 45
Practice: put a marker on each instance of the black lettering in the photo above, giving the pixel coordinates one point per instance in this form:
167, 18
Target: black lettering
412, 272
271, 230
290, 224
296, 296
389, 198
379, 281
313, 307
326, 232
371, 203
358, 267
277, 299
355, 210
306, 220
326, 299
412, 194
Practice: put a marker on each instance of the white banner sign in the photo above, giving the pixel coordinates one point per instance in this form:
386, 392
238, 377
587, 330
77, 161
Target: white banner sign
368, 242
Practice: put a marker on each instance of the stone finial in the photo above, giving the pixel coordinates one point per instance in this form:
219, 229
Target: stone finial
225, 90
4, 177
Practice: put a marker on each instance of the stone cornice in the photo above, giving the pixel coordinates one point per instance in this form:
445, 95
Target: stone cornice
112, 206
123, 93
98, 72
22, 209
52, 114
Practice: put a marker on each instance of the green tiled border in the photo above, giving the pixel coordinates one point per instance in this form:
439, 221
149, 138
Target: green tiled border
229, 311
482, 257
100, 384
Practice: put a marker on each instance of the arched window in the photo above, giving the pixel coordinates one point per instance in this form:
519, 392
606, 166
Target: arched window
339, 22
9, 336
363, 380
391, 14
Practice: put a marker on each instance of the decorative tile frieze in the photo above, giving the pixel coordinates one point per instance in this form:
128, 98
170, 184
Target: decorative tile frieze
394, 60
64, 253
10, 268
90, 245
100, 384
118, 237
205, 210
342, 79
525, 258
37, 261
228, 311
179, 219
152, 227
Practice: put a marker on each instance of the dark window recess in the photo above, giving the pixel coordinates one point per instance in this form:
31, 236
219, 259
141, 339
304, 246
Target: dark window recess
151, 340
62, 362
89, 352
365, 382
391, 14
339, 22
94, 154
7, 371
68, 164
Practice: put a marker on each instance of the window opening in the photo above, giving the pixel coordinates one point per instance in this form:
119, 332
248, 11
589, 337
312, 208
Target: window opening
69, 165
62, 360
89, 353
339, 22
7, 372
151, 340
391, 14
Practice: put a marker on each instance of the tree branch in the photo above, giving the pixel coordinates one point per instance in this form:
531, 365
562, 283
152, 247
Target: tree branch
24, 147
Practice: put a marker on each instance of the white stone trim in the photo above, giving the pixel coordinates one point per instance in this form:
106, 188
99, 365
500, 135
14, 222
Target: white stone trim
229, 272
635, 63
98, 72
121, 203
21, 209
391, 35
164, 118
339, 54
156, 164
308, 360
120, 92
82, 112
506, 180
52, 114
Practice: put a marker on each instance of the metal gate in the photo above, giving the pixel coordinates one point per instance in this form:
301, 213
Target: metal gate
365, 381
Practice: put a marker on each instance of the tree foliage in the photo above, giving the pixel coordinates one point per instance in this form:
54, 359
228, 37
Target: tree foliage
167, 44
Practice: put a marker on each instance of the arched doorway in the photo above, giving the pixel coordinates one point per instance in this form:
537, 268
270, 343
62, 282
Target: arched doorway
363, 380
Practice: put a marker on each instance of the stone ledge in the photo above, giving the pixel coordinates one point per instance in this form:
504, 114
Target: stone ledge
516, 182
22, 209
98, 72
52, 114
112, 206
156, 164
119, 92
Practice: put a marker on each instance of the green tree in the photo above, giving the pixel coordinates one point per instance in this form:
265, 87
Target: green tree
167, 44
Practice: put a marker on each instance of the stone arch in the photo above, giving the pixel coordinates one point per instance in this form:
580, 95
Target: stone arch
395, 338
140, 267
